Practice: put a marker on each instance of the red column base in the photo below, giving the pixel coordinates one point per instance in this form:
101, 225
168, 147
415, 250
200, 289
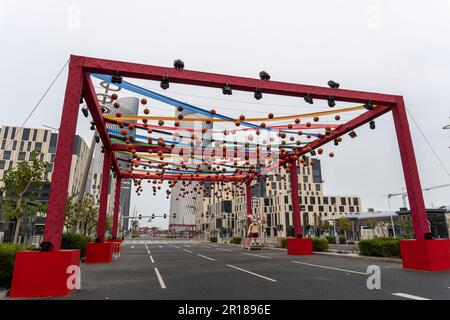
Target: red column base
299, 246
42, 274
117, 245
99, 252
428, 255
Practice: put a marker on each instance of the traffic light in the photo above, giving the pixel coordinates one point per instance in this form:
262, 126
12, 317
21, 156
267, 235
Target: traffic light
140, 216
174, 215
165, 216
153, 216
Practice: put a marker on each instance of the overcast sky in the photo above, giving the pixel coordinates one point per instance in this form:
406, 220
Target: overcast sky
399, 47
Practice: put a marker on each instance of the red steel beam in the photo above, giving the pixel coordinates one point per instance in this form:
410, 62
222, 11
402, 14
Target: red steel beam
97, 116
248, 203
410, 172
116, 207
205, 79
54, 222
101, 227
185, 177
295, 198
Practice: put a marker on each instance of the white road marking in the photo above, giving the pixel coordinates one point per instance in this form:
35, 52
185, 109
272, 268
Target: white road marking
228, 250
151, 258
160, 246
409, 296
331, 268
200, 255
255, 274
161, 281
132, 247
177, 247
187, 250
256, 255
148, 251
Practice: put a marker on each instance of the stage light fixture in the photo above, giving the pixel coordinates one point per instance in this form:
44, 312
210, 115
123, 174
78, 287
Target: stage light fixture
116, 78
368, 105
336, 143
85, 112
313, 153
226, 90
308, 99
352, 134
92, 125
165, 83
332, 84
97, 139
81, 99
178, 64
263, 75
331, 102
372, 125
258, 94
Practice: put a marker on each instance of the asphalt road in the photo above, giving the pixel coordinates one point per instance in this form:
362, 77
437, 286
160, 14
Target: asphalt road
186, 269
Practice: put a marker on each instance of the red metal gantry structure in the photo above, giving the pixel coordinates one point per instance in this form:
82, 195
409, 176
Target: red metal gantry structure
50, 265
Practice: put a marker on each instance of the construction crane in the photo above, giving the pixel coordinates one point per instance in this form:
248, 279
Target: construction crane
405, 194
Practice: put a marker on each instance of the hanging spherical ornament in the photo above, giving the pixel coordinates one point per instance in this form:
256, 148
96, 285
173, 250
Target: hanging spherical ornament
180, 108
315, 119
308, 136
242, 117
337, 117
114, 96
308, 124
331, 154
123, 132
320, 151
161, 122
116, 105
270, 115
176, 124
118, 114
299, 132
146, 110
130, 127
289, 126
212, 111
339, 139
237, 123
262, 125
297, 121
180, 116
144, 101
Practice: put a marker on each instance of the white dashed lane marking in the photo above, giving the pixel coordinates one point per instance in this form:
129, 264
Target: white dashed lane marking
252, 273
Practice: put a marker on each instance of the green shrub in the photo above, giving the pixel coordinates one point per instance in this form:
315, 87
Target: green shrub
236, 240
320, 244
342, 240
213, 239
380, 247
7, 258
331, 239
350, 242
284, 241
75, 241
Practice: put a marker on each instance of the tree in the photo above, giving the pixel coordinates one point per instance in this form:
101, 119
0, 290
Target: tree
18, 200
327, 225
345, 225
88, 215
71, 212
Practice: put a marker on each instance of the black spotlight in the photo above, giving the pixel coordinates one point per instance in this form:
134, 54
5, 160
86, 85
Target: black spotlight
85, 111
45, 246
313, 153
97, 139
372, 125
227, 90
264, 75
333, 85
336, 143
258, 93
178, 64
116, 78
368, 105
165, 83
81, 99
92, 125
308, 99
331, 102
103, 149
352, 134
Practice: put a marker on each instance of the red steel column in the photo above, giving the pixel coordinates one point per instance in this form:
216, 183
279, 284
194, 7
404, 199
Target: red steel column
412, 180
295, 198
54, 221
116, 207
104, 195
248, 193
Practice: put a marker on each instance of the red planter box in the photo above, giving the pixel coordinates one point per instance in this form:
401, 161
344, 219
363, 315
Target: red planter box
117, 245
429, 255
99, 252
299, 246
43, 274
